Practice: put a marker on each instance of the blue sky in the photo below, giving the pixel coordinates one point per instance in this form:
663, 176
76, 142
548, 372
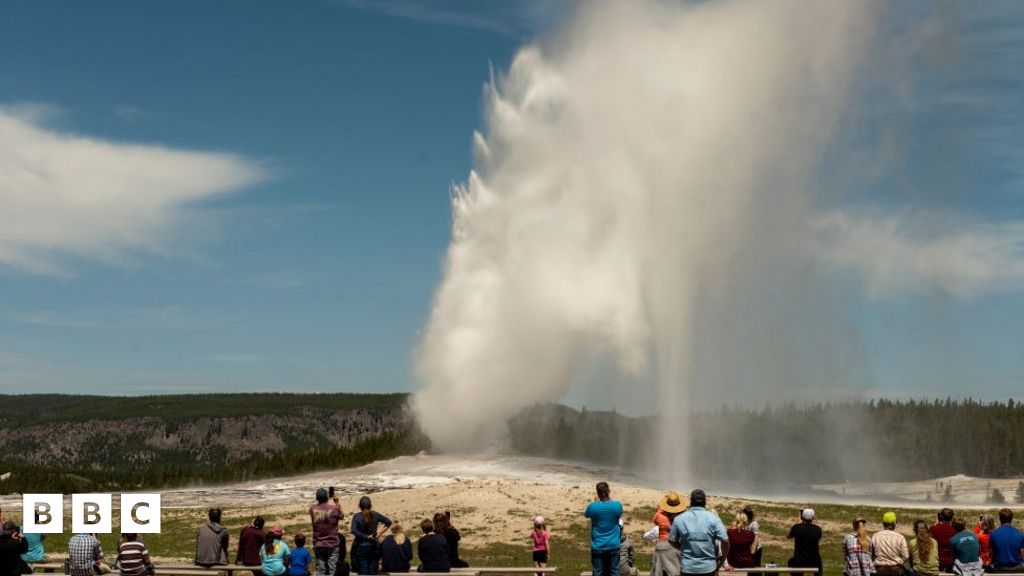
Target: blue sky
320, 141
316, 277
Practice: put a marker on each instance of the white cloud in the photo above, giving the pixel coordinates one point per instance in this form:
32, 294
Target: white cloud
68, 195
899, 254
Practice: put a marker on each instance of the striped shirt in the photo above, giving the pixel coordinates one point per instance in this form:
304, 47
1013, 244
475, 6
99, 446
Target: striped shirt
131, 558
83, 552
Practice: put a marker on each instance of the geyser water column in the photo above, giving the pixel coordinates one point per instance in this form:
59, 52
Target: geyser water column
625, 162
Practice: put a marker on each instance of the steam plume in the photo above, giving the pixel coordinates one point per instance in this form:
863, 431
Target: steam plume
627, 166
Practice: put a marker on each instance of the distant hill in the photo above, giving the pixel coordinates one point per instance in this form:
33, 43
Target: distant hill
74, 443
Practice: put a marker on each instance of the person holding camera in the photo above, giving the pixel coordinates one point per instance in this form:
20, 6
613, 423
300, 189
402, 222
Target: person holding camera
12, 546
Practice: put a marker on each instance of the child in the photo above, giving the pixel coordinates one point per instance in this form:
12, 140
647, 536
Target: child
300, 560
396, 551
541, 539
274, 553
132, 556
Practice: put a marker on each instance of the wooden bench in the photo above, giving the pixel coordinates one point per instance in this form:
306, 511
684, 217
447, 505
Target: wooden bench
160, 569
499, 570
744, 571
772, 570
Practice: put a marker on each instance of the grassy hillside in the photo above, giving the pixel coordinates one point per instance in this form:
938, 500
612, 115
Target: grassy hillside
77, 443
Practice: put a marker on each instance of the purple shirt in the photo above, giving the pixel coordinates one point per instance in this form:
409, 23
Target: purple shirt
325, 524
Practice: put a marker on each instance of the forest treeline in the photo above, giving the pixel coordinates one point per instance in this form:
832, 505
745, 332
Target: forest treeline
877, 440
71, 444
67, 444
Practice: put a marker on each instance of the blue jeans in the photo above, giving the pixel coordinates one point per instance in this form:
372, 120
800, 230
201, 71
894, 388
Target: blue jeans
365, 558
605, 562
327, 560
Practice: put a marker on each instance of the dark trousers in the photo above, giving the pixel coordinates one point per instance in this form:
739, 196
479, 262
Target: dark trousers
795, 563
605, 562
365, 558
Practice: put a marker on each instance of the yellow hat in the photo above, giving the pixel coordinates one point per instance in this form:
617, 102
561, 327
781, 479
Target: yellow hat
889, 518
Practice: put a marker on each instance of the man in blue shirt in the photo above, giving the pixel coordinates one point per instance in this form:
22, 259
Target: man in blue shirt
695, 533
604, 514
1006, 544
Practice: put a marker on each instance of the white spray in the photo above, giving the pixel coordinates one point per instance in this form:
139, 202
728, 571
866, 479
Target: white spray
625, 168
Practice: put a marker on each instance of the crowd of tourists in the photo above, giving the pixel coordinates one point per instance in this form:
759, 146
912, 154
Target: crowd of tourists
689, 540
379, 545
694, 541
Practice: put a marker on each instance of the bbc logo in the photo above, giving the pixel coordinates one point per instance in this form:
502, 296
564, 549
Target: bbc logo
90, 513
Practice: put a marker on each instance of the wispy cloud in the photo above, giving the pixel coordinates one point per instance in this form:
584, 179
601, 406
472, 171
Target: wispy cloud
159, 318
898, 254
67, 195
512, 18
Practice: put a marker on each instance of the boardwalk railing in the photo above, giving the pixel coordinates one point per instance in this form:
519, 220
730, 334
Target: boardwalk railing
231, 569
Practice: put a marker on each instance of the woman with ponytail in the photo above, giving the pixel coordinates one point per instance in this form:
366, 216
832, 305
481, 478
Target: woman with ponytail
274, 553
367, 528
924, 551
857, 550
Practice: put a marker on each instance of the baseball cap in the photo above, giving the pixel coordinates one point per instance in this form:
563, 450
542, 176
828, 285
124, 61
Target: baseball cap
889, 518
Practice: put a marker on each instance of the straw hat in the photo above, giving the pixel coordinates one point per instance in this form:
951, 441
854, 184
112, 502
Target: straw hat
672, 503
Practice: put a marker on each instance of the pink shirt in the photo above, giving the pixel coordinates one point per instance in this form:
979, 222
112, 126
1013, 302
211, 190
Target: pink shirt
540, 540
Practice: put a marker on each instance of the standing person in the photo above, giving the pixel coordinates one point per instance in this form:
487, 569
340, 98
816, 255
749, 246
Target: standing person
367, 528
924, 551
541, 540
942, 531
432, 549
627, 554
212, 541
1006, 544
665, 561
12, 546
696, 534
451, 534
328, 544
299, 559
132, 556
250, 540
85, 555
742, 543
274, 553
754, 527
604, 514
396, 551
806, 536
986, 524
966, 550
890, 548
857, 550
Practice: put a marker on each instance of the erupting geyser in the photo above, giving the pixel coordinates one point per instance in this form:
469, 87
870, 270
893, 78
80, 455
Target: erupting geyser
624, 166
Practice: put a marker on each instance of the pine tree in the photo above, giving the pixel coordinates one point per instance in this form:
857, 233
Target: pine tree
1020, 492
996, 497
